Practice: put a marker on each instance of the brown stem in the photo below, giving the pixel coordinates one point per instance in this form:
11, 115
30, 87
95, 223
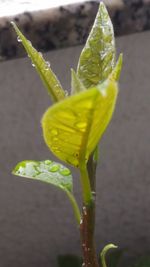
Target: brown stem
87, 225
87, 237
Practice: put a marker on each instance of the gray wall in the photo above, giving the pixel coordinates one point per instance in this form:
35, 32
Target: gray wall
36, 221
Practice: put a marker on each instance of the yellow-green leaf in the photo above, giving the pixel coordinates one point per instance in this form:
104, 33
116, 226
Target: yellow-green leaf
97, 58
48, 77
73, 127
76, 85
46, 171
115, 75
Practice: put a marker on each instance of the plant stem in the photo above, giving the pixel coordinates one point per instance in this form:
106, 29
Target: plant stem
87, 225
87, 237
85, 184
74, 205
91, 166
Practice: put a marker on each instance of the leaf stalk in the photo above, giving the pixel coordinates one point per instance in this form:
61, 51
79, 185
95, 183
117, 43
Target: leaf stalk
85, 184
74, 206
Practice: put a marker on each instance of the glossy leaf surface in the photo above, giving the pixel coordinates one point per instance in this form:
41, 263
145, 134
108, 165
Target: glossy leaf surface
76, 85
43, 68
46, 171
73, 127
97, 58
115, 75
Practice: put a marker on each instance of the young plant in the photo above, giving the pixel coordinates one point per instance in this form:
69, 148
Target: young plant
74, 124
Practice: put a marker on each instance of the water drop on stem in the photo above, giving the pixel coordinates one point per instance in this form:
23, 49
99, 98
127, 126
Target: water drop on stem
19, 40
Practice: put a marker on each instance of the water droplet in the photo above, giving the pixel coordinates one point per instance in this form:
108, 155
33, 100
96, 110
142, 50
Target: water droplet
56, 151
55, 139
81, 125
47, 65
55, 148
83, 264
83, 245
56, 86
84, 211
65, 172
81, 221
54, 168
54, 131
47, 162
19, 40
66, 93
33, 65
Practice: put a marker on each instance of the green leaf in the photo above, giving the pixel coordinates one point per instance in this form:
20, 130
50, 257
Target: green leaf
76, 85
46, 171
115, 75
97, 58
73, 127
46, 74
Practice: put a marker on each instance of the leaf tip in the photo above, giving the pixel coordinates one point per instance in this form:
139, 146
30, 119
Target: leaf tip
120, 59
102, 6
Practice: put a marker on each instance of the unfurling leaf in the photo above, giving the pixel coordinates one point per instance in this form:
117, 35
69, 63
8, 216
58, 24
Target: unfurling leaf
76, 85
97, 58
104, 251
115, 75
72, 128
49, 79
46, 171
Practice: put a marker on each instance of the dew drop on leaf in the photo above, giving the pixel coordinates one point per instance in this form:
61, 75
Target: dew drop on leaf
81, 125
65, 172
33, 65
55, 139
47, 162
54, 168
54, 131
